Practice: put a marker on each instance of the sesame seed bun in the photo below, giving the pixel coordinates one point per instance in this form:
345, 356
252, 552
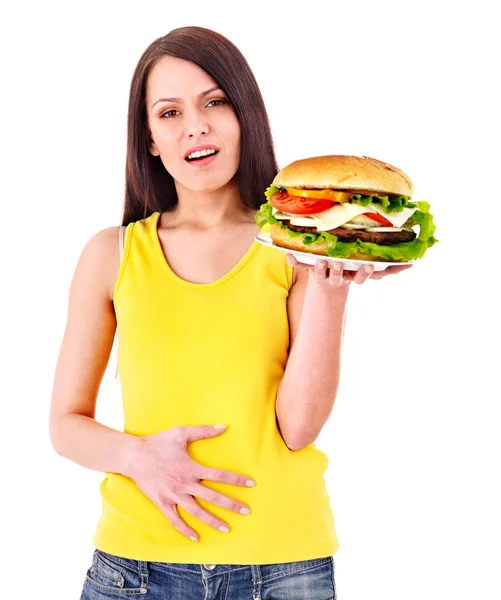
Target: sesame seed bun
342, 172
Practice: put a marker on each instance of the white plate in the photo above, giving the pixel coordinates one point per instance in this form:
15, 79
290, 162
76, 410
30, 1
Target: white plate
311, 259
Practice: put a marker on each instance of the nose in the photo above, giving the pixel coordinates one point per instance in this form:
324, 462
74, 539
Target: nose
196, 125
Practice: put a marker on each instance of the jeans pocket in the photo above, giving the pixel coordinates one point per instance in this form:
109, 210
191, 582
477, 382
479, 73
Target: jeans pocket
115, 575
302, 580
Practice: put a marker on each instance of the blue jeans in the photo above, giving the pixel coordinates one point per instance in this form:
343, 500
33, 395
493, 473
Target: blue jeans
112, 576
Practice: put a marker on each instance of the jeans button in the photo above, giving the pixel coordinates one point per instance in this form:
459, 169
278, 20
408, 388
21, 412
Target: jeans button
210, 567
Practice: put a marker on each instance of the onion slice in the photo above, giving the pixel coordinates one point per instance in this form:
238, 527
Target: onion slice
384, 229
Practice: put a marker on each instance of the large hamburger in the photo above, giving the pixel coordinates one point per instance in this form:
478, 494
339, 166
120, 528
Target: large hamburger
347, 207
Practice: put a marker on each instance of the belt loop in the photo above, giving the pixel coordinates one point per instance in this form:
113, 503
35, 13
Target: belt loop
143, 571
256, 582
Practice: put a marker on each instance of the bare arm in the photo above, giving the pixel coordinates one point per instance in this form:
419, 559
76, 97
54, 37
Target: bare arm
308, 389
82, 361
317, 311
93, 445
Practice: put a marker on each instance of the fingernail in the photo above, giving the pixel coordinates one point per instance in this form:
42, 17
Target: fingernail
338, 266
223, 529
244, 511
193, 538
250, 483
219, 426
368, 269
321, 265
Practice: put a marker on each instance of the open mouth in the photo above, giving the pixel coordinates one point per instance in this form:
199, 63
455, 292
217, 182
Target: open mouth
198, 156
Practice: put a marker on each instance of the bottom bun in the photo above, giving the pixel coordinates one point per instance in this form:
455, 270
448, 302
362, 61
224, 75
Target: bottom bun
281, 238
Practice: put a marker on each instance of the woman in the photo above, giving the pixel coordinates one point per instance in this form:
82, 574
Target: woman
213, 328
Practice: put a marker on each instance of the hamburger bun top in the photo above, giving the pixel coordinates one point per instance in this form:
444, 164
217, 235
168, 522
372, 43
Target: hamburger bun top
342, 172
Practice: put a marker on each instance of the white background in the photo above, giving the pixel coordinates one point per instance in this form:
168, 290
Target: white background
413, 440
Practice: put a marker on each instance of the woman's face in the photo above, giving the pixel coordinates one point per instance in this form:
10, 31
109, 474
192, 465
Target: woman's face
194, 112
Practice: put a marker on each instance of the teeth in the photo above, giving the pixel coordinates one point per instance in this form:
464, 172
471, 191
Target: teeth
201, 153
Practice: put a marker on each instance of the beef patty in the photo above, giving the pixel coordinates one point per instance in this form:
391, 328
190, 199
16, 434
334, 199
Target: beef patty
383, 238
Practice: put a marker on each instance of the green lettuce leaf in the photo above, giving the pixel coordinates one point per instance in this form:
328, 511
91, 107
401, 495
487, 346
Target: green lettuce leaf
405, 251
424, 219
272, 190
265, 215
389, 204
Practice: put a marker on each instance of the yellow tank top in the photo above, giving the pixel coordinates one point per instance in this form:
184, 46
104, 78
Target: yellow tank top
196, 354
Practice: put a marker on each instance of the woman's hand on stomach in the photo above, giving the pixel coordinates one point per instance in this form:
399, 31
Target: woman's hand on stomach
164, 471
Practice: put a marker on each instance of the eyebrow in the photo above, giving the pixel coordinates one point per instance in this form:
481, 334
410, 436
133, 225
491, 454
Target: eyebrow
212, 89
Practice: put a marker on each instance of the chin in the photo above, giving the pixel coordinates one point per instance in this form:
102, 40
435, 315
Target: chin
207, 185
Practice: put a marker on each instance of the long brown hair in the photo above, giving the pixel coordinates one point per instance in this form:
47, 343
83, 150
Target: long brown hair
148, 186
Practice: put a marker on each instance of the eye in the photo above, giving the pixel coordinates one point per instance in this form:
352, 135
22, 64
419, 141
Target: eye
221, 102
168, 114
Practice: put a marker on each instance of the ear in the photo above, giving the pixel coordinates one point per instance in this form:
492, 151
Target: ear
153, 149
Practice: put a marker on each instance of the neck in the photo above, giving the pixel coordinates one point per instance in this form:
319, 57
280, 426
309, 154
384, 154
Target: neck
209, 210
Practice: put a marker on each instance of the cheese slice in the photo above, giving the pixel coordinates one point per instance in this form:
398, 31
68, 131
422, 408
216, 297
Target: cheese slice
341, 213
397, 219
300, 221
332, 217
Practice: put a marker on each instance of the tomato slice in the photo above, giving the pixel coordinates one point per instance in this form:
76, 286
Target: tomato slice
299, 205
333, 195
380, 219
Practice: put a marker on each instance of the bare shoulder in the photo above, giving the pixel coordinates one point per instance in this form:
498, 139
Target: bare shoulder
100, 256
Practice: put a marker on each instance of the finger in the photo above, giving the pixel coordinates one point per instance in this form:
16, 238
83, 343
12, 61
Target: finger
170, 511
320, 272
363, 274
336, 274
192, 433
397, 269
210, 495
293, 262
389, 271
193, 507
211, 474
